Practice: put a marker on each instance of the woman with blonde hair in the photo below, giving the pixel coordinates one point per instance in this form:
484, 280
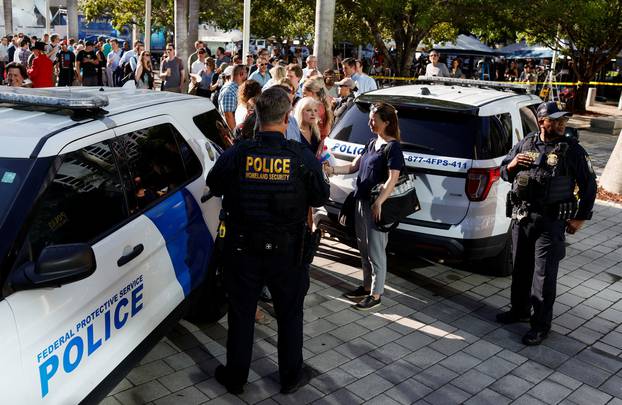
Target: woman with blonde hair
314, 87
277, 73
307, 116
144, 71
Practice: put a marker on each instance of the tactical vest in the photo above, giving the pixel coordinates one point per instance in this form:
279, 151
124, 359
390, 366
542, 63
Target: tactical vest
270, 191
547, 183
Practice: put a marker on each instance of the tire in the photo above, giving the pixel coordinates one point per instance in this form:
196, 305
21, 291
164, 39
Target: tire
501, 265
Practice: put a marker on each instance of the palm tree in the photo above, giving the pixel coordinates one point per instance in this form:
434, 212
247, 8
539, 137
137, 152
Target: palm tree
181, 29
8, 16
611, 179
324, 25
72, 18
193, 24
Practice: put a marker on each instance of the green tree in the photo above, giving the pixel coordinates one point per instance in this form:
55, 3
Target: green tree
128, 12
589, 31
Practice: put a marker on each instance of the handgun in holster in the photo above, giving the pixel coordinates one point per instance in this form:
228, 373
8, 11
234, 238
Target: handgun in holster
310, 244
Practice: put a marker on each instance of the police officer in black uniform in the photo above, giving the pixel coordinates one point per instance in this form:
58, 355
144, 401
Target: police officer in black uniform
267, 186
544, 169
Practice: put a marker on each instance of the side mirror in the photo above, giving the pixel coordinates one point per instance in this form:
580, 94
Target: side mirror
57, 265
572, 133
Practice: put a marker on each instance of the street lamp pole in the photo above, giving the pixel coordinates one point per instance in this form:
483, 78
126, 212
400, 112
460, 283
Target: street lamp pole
246, 30
48, 23
147, 25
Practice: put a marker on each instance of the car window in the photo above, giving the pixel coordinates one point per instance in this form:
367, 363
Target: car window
495, 137
12, 175
83, 201
155, 162
432, 132
212, 126
529, 121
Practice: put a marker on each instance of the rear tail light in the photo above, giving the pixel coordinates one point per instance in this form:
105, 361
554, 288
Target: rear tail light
479, 181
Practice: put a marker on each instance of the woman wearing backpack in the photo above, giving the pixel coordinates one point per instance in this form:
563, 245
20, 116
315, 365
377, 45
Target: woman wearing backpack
380, 163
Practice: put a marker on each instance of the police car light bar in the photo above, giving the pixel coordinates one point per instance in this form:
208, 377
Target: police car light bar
52, 98
477, 83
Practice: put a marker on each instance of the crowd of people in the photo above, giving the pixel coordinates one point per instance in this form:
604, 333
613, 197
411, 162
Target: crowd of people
279, 110
51, 61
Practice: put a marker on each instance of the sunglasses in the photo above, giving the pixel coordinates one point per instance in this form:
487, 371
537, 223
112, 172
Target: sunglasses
147, 54
263, 64
169, 50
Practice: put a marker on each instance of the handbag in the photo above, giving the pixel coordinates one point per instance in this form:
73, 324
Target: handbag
347, 212
402, 202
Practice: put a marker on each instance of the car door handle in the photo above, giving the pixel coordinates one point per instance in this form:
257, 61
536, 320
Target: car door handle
138, 249
206, 197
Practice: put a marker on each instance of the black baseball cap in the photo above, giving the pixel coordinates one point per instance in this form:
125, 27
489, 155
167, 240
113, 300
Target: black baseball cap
551, 110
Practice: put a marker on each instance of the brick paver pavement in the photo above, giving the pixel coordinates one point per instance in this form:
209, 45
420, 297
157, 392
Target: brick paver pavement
433, 340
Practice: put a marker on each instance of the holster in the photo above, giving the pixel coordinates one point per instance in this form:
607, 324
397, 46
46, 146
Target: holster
310, 244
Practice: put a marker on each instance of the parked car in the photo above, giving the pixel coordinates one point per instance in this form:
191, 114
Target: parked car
105, 238
454, 139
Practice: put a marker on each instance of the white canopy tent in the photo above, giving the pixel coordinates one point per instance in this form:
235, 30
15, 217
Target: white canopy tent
464, 45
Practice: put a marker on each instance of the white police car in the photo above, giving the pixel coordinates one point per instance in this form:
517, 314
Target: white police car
454, 139
104, 237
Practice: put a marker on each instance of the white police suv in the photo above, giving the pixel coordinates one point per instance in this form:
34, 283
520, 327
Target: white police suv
454, 136
103, 235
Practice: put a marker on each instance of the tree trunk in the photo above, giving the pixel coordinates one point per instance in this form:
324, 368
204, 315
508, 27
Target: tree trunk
181, 31
8, 16
324, 26
193, 25
580, 98
611, 179
72, 19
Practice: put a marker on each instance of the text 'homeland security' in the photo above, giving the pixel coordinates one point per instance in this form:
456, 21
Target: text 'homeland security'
268, 168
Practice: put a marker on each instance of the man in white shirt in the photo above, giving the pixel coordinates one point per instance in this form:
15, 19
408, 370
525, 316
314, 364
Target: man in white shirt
114, 60
198, 65
436, 68
132, 56
311, 65
364, 83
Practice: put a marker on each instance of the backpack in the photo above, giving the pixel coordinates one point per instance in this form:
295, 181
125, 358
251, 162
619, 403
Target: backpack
128, 73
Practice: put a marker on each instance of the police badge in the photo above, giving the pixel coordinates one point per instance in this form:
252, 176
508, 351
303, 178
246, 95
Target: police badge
551, 159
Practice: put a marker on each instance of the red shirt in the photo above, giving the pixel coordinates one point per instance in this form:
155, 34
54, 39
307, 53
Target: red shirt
41, 72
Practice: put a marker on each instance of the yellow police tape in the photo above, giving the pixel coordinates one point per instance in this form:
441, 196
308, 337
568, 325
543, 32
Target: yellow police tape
412, 79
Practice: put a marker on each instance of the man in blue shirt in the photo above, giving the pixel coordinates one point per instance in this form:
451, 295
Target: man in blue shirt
228, 98
261, 75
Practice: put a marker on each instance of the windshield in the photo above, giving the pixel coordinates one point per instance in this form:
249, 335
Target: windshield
434, 132
12, 174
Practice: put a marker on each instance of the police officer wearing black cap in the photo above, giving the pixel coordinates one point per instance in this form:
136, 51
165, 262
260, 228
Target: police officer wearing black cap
267, 186
544, 169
